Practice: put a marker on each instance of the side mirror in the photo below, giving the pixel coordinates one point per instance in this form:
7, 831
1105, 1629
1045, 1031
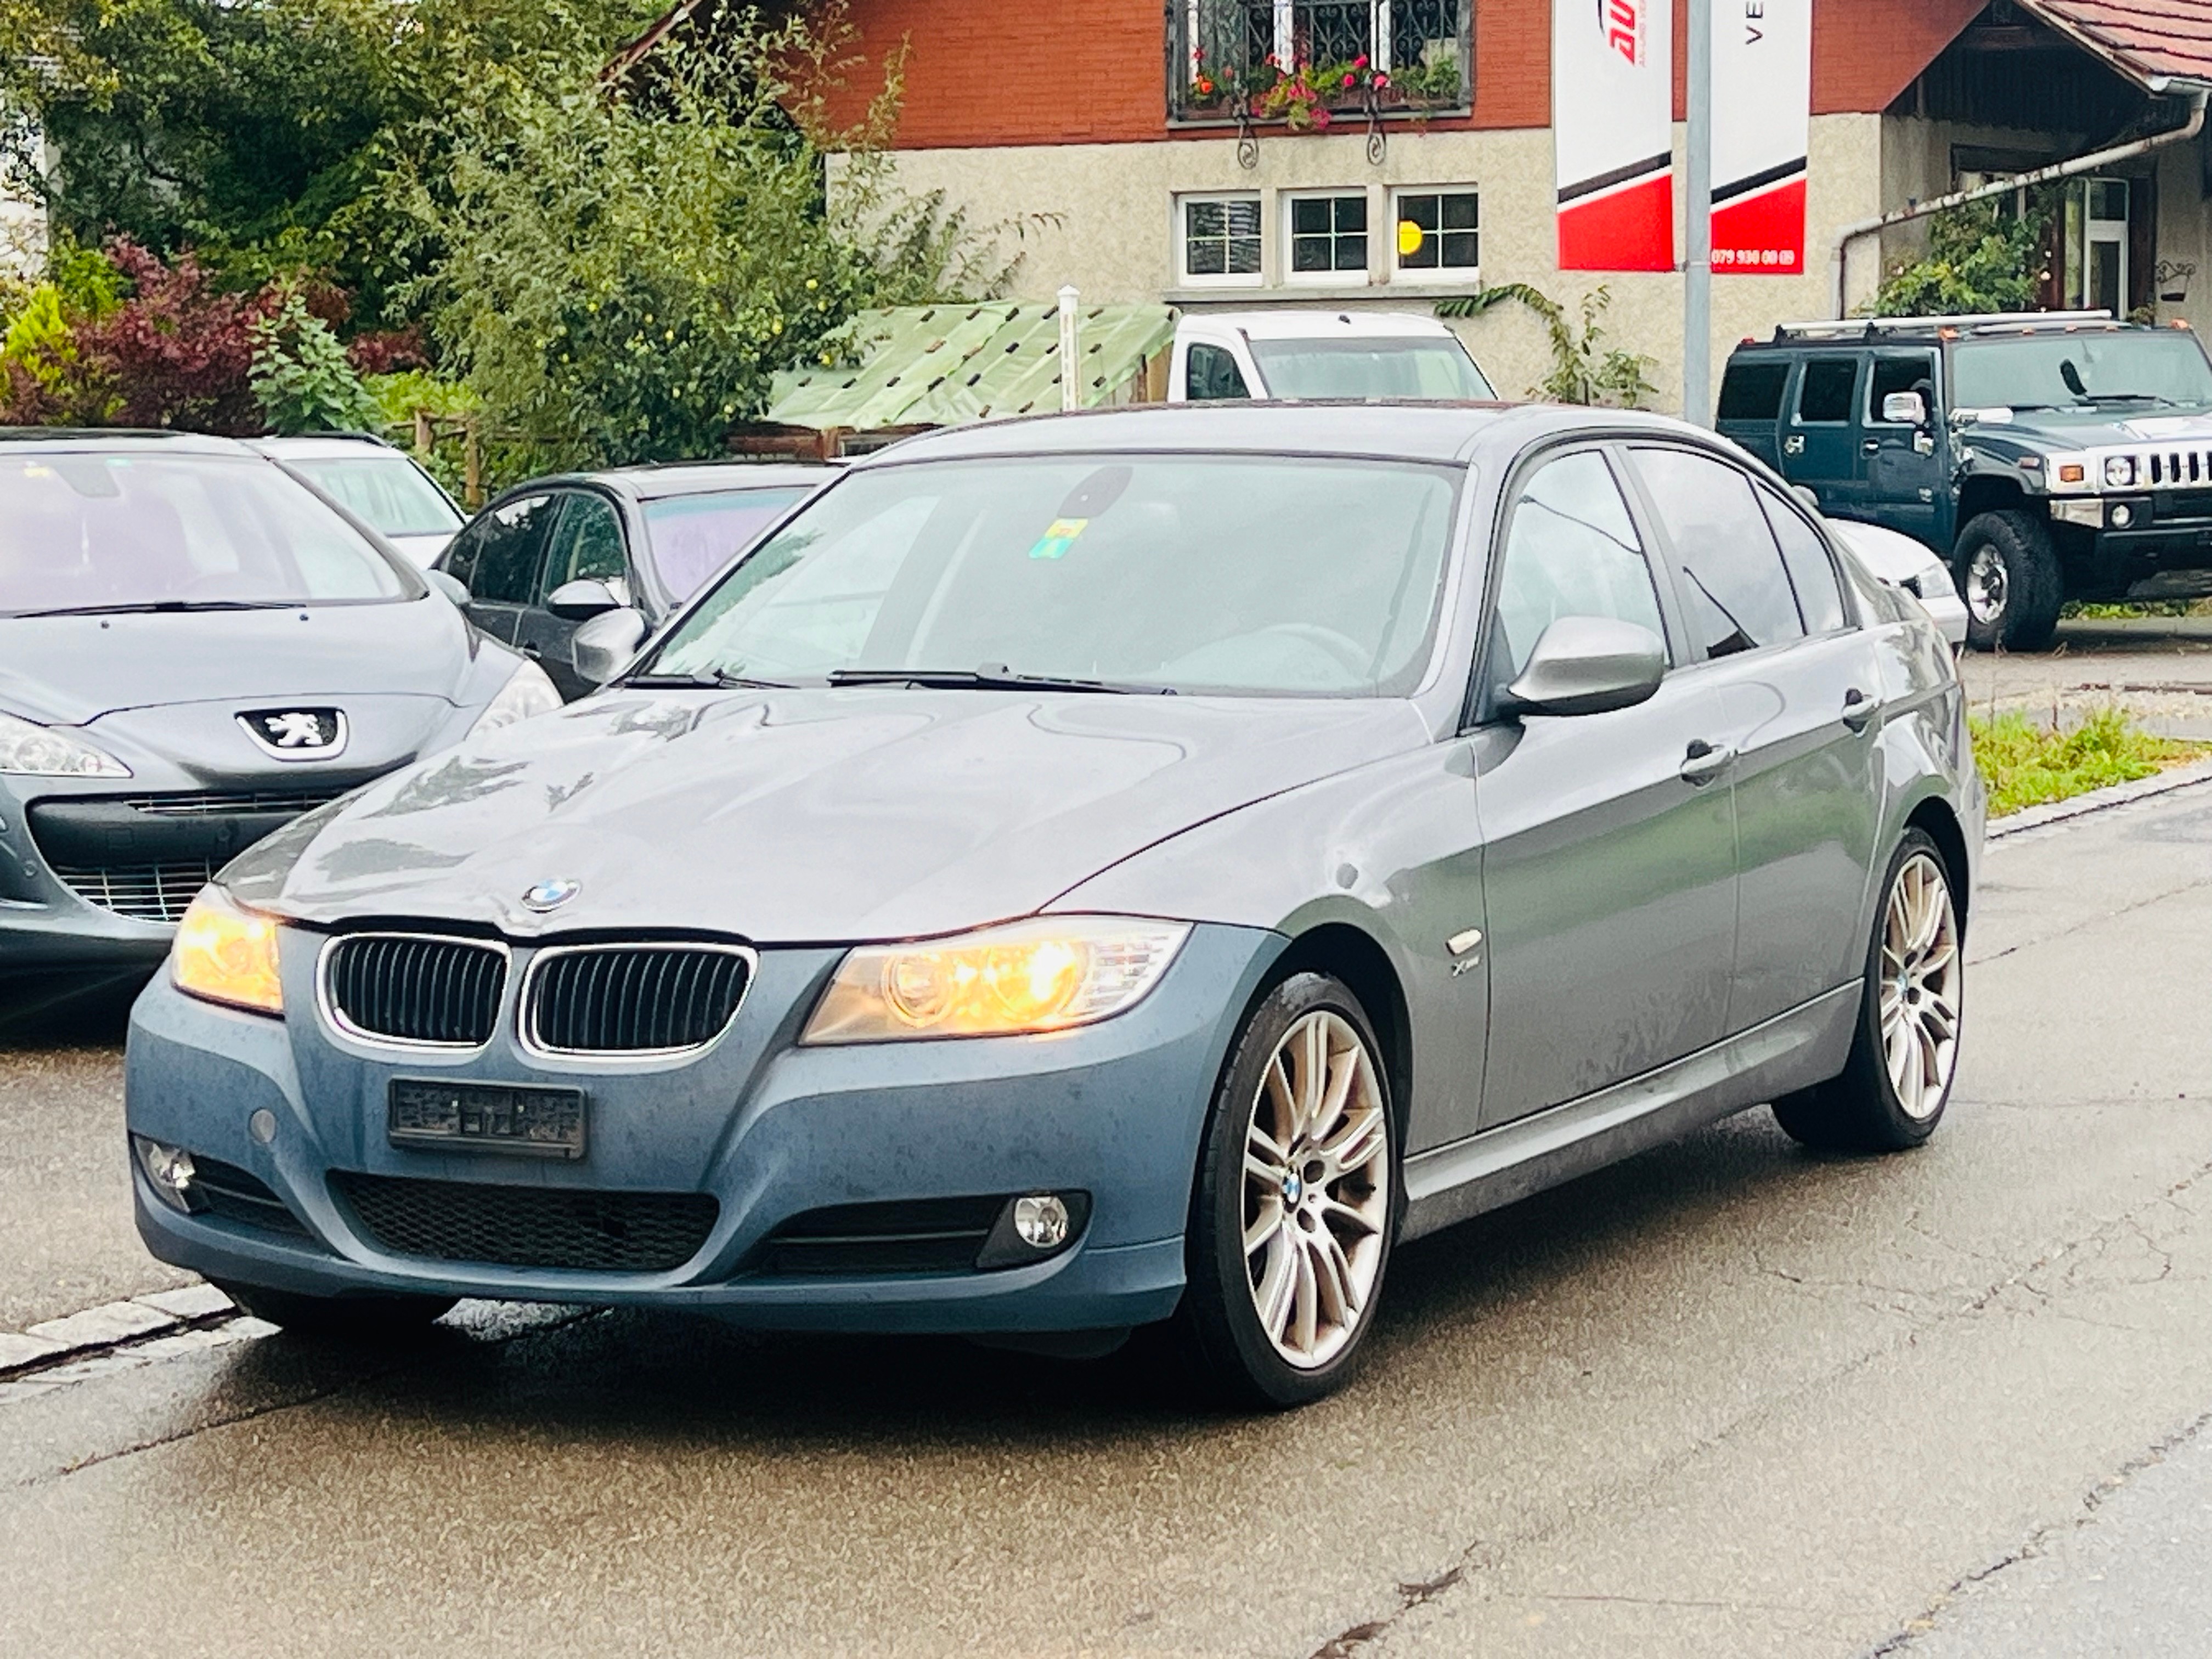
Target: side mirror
582, 599
1807, 494
603, 646
450, 586
1587, 665
1904, 408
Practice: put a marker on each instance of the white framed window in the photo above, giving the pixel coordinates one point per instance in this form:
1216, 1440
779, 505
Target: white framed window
1438, 233
1217, 240
1325, 236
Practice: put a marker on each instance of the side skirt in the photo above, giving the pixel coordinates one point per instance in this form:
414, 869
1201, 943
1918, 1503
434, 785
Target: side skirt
1500, 1166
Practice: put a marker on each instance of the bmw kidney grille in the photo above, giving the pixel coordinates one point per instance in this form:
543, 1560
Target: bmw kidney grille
414, 989
632, 999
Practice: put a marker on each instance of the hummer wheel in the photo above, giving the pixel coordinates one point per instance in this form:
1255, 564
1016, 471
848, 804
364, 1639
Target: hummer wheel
2009, 575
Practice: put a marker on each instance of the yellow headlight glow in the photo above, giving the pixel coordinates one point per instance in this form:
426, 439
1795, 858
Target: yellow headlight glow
227, 953
1044, 974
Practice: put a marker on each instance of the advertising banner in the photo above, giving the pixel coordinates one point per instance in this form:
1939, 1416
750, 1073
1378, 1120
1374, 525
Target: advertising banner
1613, 106
1762, 100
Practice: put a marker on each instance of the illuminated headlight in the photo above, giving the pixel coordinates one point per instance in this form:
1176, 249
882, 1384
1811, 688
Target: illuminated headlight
1044, 974
2119, 471
526, 692
42, 752
227, 953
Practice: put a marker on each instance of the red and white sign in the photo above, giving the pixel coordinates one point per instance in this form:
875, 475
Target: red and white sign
1762, 103
1612, 132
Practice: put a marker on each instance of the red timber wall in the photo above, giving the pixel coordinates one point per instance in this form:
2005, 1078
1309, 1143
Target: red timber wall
1094, 72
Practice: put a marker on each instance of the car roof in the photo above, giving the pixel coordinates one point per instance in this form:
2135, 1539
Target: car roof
1930, 330
56, 439
1294, 323
322, 446
656, 483
1406, 430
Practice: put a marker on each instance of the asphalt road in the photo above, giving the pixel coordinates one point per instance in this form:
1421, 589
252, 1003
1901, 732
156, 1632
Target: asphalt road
1726, 1398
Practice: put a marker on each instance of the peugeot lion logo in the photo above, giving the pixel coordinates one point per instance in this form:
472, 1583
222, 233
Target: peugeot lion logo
551, 893
296, 733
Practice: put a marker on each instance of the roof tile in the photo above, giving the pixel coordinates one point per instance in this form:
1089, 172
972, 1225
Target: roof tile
2144, 39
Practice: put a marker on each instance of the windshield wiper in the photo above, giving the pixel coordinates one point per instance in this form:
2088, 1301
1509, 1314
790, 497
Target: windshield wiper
150, 606
714, 680
1000, 678
2127, 397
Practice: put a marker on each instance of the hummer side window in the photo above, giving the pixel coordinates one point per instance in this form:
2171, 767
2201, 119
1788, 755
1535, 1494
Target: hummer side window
1912, 372
1753, 391
1824, 395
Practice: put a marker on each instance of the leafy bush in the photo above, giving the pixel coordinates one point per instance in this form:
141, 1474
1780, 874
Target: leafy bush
1585, 369
1981, 257
300, 377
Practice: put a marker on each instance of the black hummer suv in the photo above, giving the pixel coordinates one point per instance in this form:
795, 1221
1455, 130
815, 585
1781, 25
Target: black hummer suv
2050, 456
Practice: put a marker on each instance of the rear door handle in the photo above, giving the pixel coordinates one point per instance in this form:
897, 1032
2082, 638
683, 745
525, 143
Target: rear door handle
1705, 762
1858, 710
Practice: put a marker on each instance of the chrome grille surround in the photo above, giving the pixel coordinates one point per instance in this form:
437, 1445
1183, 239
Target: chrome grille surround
212, 803
629, 992
452, 996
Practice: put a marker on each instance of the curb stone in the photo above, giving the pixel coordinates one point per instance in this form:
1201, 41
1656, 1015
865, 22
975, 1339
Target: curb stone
2099, 800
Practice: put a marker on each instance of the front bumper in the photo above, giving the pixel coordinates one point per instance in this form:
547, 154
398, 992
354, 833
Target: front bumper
770, 1130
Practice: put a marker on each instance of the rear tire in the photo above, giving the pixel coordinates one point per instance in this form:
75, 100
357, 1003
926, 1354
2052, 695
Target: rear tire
1893, 1090
349, 1318
2008, 574
1296, 1201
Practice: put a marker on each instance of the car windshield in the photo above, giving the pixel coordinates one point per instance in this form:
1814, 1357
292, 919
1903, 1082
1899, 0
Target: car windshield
692, 537
2062, 370
1261, 574
1431, 369
387, 492
82, 532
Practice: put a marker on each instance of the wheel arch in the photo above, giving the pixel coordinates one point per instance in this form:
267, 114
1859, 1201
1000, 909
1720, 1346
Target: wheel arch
1982, 494
1934, 816
1355, 957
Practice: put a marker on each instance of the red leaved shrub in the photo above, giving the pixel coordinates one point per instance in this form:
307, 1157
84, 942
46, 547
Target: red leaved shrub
387, 351
176, 352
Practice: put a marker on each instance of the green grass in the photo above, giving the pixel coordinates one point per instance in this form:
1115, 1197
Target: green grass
2099, 612
2029, 765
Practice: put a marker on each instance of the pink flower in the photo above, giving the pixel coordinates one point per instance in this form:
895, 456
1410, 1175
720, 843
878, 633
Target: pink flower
1348, 80
1321, 118
1360, 61
1381, 79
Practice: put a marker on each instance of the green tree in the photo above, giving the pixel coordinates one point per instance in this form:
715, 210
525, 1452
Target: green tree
1982, 257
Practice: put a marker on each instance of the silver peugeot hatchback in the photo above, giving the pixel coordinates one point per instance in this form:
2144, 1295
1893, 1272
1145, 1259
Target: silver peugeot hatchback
1088, 871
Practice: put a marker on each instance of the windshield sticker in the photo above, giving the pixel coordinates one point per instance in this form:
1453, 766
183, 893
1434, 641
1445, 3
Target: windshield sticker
1058, 535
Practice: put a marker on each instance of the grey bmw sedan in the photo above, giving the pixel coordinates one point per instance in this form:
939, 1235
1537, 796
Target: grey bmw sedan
196, 648
1096, 871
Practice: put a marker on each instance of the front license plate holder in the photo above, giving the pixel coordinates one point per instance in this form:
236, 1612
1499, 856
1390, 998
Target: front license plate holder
528, 1119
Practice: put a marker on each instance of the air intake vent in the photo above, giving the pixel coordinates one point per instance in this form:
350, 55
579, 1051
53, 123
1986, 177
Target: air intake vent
913, 1235
415, 988
145, 892
529, 1226
633, 999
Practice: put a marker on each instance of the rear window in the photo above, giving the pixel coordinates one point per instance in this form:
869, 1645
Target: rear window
1423, 367
90, 532
1753, 391
690, 538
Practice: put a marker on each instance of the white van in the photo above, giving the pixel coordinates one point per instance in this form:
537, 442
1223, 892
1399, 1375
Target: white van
1315, 355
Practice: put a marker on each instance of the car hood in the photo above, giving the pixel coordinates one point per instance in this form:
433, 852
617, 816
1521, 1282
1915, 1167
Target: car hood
801, 816
2100, 428
70, 671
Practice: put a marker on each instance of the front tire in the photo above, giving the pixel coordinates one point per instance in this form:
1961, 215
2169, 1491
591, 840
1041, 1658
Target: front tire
2008, 574
1904, 1056
1295, 1204
348, 1318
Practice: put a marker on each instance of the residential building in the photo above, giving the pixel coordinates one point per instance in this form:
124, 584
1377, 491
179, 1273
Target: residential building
1089, 128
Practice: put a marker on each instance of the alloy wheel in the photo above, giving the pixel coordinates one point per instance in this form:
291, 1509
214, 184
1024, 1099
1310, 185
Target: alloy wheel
1920, 980
1987, 583
1316, 1190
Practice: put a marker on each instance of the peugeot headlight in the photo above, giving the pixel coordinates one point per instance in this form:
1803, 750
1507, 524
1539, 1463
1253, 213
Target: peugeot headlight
1044, 974
526, 692
227, 953
1933, 580
2119, 471
40, 752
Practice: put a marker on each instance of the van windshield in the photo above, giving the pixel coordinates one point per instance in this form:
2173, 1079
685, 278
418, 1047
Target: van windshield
1423, 368
2080, 371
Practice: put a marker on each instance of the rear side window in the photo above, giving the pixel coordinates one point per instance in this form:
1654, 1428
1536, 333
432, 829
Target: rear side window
1571, 550
1824, 395
1811, 572
1753, 391
1211, 374
1733, 586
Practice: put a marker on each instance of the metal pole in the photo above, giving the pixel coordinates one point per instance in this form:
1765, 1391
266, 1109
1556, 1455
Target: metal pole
1698, 273
1071, 351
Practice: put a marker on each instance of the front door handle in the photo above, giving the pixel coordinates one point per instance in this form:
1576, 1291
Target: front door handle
1858, 710
1869, 445
1705, 762
530, 650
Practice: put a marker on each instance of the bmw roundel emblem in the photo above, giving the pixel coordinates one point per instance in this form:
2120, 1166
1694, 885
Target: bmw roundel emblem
551, 893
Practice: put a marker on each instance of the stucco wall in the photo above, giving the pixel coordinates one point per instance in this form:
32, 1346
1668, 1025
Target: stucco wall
1112, 234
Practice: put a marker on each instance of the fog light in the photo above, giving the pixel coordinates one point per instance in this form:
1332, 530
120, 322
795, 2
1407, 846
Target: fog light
1040, 1222
2122, 516
169, 1172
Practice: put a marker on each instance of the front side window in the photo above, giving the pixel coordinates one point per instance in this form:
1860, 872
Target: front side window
86, 531
1211, 374
1571, 550
1733, 585
1225, 573
1328, 238
1824, 395
389, 493
1220, 237
587, 542
1440, 230
1912, 372
690, 538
